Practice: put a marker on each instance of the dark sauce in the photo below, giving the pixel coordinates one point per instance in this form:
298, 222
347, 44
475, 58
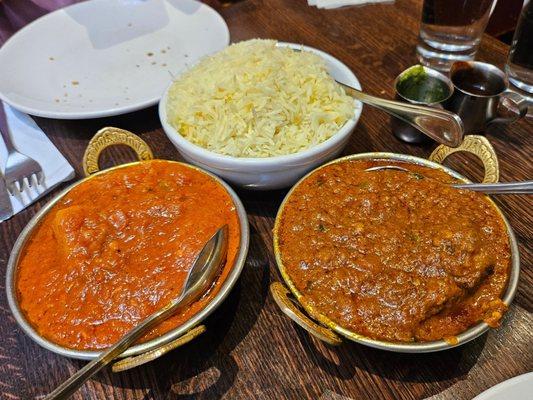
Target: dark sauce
477, 82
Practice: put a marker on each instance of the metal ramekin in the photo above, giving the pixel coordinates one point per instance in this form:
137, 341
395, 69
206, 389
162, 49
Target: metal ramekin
161, 344
324, 328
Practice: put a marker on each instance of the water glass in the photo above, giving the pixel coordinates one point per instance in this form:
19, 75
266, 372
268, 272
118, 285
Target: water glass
519, 67
451, 31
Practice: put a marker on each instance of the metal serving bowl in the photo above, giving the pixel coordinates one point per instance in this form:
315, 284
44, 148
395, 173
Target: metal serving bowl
327, 330
154, 348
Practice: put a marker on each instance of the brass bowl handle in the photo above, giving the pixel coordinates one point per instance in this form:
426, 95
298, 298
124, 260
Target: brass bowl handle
135, 361
480, 147
111, 136
281, 296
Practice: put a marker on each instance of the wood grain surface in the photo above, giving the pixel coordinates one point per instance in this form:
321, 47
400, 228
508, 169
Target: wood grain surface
251, 350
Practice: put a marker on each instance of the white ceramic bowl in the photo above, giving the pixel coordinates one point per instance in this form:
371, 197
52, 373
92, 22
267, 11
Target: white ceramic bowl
271, 172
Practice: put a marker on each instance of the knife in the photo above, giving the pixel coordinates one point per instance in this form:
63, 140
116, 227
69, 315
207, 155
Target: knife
6, 209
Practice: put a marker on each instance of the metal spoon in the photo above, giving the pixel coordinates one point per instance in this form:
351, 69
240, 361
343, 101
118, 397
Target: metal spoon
202, 275
525, 187
442, 126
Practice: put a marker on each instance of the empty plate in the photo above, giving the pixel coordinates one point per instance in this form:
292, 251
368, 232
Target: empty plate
517, 388
105, 57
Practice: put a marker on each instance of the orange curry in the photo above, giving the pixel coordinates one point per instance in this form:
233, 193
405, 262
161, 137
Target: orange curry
117, 247
395, 256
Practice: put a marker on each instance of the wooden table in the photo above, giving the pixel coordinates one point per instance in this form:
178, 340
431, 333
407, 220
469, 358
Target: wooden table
251, 350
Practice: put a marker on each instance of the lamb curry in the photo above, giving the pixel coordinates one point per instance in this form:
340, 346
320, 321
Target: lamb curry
394, 256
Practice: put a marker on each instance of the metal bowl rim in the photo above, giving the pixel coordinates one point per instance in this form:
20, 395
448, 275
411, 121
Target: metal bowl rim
414, 347
434, 74
480, 65
153, 344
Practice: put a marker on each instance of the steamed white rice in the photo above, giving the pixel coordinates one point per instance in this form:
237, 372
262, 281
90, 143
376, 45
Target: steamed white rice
254, 99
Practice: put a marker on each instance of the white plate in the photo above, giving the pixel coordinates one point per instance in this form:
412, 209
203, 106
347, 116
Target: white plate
517, 388
105, 57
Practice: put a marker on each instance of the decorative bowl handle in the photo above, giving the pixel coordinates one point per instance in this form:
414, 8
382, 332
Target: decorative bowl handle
281, 296
480, 147
135, 361
111, 136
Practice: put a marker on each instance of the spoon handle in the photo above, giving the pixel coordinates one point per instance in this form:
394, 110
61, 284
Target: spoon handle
442, 126
525, 187
201, 276
67, 388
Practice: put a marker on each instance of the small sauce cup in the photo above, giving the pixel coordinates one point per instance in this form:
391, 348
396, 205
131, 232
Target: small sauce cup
422, 86
481, 96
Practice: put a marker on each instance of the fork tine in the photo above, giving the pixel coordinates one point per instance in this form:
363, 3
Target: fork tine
29, 181
20, 186
35, 179
14, 188
40, 177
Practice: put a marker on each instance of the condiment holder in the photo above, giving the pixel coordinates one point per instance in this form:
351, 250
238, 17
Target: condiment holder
480, 93
421, 86
477, 92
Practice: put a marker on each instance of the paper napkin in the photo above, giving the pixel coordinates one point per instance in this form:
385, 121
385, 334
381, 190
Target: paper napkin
30, 140
328, 4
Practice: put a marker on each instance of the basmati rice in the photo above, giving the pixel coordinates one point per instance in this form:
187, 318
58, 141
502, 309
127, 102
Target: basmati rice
254, 99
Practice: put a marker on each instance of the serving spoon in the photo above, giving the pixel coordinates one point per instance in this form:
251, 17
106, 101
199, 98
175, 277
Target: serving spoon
443, 126
205, 270
525, 187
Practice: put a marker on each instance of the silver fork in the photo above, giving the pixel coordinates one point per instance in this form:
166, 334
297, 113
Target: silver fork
19, 167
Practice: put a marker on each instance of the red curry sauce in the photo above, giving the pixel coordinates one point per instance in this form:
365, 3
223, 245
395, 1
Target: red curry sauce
395, 256
118, 247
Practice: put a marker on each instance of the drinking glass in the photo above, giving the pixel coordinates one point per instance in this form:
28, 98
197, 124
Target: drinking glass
451, 31
519, 67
